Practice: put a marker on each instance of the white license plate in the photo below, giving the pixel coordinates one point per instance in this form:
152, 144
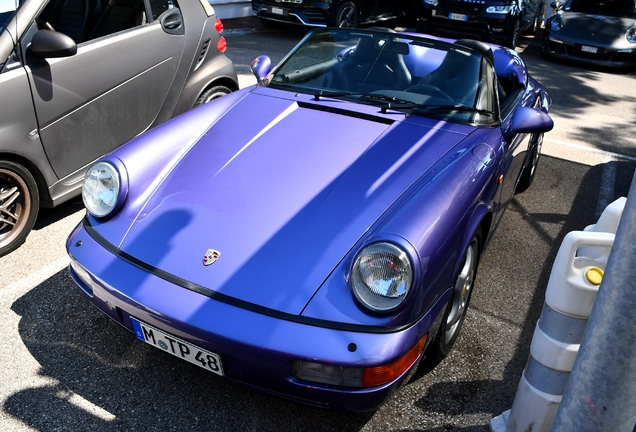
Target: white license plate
278, 11
458, 17
177, 347
589, 49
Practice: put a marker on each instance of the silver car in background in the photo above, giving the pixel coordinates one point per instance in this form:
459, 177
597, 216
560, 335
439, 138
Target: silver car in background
80, 77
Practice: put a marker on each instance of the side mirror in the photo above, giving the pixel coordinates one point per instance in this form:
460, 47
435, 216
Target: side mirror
556, 6
50, 44
261, 67
529, 120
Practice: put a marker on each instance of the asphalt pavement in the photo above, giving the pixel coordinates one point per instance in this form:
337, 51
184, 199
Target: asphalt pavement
64, 366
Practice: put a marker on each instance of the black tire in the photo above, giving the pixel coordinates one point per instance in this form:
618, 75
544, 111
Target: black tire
212, 93
346, 16
457, 306
536, 24
19, 205
512, 40
530, 171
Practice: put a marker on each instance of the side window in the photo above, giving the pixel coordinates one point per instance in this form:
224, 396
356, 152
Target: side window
84, 20
160, 6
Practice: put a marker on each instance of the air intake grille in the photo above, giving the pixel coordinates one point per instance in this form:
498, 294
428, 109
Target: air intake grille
204, 51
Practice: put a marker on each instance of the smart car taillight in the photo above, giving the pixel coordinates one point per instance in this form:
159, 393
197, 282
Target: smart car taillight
219, 25
221, 44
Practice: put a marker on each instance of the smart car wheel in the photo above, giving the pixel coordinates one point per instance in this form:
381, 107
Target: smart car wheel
212, 93
19, 205
346, 16
527, 177
457, 305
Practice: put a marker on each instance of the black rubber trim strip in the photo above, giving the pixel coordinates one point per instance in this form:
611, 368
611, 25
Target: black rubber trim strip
345, 112
168, 277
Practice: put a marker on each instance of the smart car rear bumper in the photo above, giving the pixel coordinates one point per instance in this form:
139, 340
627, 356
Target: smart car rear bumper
256, 349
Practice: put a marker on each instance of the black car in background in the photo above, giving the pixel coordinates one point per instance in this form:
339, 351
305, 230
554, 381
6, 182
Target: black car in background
335, 13
593, 32
496, 21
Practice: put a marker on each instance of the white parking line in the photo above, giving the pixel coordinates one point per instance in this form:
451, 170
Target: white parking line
589, 156
579, 153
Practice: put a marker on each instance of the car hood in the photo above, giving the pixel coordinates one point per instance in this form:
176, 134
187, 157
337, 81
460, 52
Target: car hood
597, 30
281, 190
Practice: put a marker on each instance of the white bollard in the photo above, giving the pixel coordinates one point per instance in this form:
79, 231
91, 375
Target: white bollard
576, 274
570, 295
608, 223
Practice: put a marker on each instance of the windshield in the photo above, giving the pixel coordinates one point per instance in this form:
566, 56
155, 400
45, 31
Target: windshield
612, 8
7, 11
391, 70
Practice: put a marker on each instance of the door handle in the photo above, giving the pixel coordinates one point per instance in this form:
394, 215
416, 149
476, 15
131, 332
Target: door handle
172, 22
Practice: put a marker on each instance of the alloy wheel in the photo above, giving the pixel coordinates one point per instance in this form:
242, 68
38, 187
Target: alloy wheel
15, 206
461, 292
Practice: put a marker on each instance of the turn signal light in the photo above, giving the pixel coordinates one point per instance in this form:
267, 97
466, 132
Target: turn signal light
357, 377
373, 377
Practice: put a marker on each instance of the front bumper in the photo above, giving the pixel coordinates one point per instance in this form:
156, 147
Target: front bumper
495, 28
287, 12
555, 46
256, 349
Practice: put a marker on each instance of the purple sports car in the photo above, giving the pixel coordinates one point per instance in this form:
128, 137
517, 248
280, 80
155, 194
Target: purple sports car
318, 234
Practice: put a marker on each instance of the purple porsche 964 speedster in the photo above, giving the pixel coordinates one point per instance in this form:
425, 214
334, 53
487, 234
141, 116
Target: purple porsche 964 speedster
317, 234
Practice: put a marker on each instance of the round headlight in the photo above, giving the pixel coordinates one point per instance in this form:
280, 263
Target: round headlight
556, 24
630, 35
381, 276
101, 189
499, 9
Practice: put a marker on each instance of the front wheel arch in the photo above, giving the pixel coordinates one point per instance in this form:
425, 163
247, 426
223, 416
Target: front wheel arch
530, 169
458, 302
211, 93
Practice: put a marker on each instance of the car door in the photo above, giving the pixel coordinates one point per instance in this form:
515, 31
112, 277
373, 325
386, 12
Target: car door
17, 117
111, 90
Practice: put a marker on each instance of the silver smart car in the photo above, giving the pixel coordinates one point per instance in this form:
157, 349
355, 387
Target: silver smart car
80, 77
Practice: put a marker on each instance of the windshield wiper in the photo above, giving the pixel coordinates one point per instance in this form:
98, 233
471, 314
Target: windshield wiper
395, 103
385, 98
460, 108
391, 102
333, 94
385, 102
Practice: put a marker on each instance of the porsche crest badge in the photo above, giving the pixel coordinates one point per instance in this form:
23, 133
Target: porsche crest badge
211, 256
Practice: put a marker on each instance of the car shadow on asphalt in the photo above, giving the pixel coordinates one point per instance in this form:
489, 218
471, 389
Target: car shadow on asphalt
48, 216
102, 378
